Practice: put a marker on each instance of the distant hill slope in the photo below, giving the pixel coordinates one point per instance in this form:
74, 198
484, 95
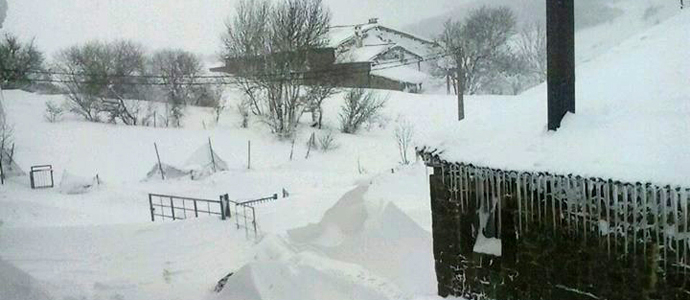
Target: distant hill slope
589, 14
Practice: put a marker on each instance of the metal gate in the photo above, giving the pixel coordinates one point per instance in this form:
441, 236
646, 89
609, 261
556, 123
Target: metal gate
41, 177
181, 208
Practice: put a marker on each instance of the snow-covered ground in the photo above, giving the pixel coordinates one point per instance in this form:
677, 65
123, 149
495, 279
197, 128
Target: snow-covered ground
356, 223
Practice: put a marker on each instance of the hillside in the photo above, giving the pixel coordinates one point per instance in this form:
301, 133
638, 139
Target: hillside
599, 25
194, 25
631, 122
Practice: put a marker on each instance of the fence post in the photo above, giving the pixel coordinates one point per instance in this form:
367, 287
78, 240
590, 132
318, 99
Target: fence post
151, 207
172, 208
249, 155
227, 205
196, 211
222, 208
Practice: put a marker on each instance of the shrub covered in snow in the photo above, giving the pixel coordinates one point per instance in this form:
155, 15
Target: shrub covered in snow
360, 106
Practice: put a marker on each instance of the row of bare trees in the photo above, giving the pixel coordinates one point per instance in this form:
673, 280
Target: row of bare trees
100, 80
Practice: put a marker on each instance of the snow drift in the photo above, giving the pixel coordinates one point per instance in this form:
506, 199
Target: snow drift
377, 236
15, 284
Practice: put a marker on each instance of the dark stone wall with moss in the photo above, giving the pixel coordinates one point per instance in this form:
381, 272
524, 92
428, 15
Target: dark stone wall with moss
545, 262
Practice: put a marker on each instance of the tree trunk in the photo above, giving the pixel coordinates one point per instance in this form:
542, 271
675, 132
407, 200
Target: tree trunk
461, 90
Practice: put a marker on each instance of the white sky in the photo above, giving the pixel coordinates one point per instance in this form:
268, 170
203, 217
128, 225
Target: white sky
194, 25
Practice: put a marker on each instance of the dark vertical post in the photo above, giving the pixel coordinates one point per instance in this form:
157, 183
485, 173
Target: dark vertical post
560, 44
172, 208
151, 207
160, 166
249, 155
213, 159
196, 210
442, 234
222, 207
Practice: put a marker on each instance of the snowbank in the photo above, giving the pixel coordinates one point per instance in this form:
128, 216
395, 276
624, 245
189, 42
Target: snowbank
377, 236
74, 184
631, 122
15, 284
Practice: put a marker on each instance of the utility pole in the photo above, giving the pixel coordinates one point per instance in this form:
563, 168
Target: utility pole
560, 45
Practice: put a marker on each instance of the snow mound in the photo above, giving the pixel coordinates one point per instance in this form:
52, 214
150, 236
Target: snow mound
10, 168
74, 184
170, 172
279, 281
15, 284
202, 163
630, 124
381, 238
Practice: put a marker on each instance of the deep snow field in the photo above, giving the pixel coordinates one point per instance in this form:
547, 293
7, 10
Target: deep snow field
356, 224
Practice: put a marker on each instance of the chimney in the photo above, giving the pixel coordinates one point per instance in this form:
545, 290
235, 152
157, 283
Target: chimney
358, 36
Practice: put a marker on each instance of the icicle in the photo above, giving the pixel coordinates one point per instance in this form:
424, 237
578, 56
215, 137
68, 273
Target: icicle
607, 202
585, 201
645, 207
684, 205
664, 217
576, 202
635, 223
465, 186
553, 201
674, 202
519, 200
500, 207
530, 188
657, 212
626, 220
616, 212
594, 192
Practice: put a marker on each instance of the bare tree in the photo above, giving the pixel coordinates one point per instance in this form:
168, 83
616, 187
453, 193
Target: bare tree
99, 76
18, 62
179, 71
269, 46
403, 136
473, 46
531, 47
360, 106
317, 94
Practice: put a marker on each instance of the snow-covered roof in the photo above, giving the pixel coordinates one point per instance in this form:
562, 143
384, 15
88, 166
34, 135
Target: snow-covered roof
631, 122
402, 74
376, 35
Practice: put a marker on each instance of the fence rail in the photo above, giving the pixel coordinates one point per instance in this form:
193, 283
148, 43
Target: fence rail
181, 208
260, 200
41, 177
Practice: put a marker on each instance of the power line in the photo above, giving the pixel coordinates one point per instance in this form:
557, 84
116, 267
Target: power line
190, 80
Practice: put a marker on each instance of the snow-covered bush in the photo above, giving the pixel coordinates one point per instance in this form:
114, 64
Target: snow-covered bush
360, 106
53, 112
243, 109
327, 142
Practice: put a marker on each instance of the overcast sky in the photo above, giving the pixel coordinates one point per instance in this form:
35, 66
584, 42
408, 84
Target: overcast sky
194, 25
